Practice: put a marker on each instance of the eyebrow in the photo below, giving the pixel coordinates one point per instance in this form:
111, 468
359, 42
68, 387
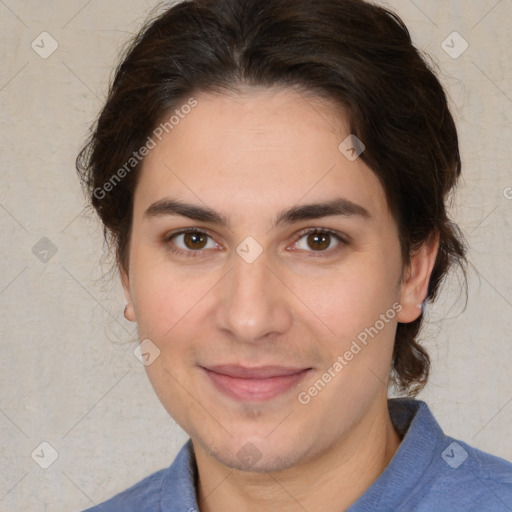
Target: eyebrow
335, 207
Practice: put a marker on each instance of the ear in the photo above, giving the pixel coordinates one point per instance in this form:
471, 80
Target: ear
129, 312
414, 285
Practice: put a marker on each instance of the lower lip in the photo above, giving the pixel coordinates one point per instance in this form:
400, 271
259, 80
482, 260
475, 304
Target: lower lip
254, 390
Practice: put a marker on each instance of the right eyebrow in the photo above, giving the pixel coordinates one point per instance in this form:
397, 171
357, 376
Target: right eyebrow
169, 206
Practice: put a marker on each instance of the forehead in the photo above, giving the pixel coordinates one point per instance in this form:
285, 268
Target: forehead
260, 150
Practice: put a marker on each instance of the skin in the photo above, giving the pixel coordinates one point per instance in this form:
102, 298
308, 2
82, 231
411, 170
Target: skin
249, 156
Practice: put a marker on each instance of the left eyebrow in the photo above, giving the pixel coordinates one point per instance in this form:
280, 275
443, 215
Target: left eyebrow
338, 206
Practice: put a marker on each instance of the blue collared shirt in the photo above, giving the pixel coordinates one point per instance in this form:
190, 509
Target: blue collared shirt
430, 472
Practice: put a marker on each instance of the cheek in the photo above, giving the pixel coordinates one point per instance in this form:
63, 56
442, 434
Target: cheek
350, 297
162, 294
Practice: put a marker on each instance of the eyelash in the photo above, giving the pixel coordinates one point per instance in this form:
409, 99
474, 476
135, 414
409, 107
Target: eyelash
200, 252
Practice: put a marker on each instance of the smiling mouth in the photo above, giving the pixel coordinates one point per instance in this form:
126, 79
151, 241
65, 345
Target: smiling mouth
254, 384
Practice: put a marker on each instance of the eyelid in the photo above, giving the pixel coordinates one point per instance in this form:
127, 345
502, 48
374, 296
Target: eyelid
342, 239
183, 231
329, 231
168, 237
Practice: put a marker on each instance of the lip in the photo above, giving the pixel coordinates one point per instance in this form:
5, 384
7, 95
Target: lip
254, 384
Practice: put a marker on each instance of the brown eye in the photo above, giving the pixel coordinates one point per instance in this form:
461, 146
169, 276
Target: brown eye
195, 240
319, 241
190, 242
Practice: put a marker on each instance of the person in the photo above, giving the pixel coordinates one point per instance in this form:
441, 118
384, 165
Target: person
273, 178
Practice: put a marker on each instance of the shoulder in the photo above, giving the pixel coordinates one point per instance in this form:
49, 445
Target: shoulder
435, 472
470, 479
457, 476
172, 487
144, 496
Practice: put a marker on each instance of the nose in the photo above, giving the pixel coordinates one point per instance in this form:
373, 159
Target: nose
254, 304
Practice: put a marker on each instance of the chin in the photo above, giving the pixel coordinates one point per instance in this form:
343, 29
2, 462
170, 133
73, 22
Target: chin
257, 455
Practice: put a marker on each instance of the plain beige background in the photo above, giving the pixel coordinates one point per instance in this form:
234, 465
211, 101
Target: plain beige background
67, 372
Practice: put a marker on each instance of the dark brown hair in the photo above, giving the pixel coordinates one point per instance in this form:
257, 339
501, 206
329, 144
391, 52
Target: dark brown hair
350, 52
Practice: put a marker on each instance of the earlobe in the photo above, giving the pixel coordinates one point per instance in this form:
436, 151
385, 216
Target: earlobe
414, 287
129, 312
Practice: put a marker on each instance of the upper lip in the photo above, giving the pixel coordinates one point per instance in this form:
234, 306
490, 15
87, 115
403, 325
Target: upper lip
260, 372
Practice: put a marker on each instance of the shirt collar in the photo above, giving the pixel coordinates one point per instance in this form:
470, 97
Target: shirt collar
420, 446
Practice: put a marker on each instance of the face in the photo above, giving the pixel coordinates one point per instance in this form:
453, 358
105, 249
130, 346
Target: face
266, 268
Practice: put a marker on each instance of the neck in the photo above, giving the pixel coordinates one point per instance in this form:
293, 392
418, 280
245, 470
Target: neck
339, 475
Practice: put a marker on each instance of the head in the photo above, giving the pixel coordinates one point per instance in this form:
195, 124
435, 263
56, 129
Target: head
248, 123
